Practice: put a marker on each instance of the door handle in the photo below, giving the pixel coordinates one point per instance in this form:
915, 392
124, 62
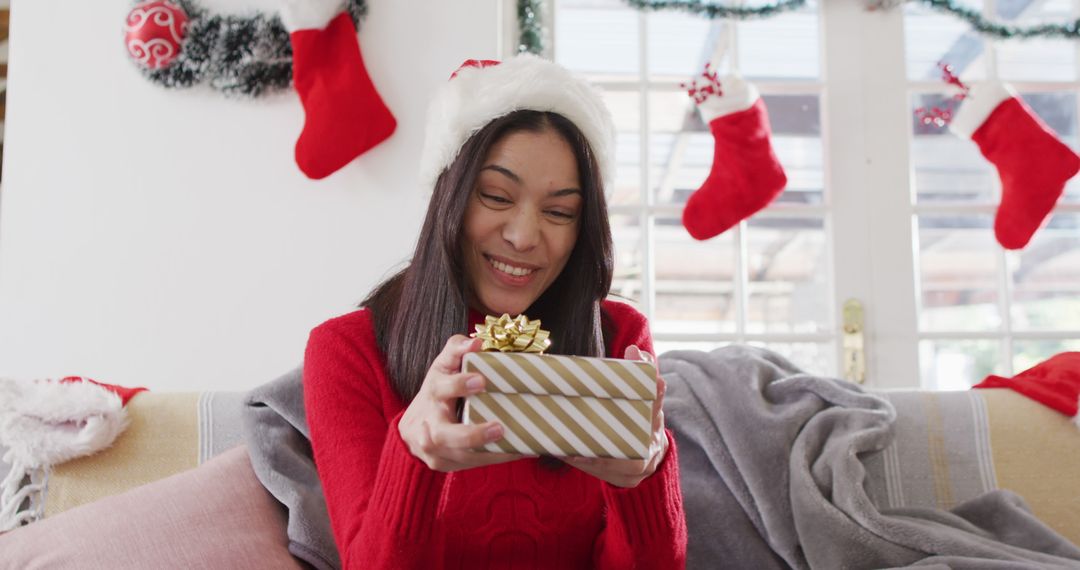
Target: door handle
854, 343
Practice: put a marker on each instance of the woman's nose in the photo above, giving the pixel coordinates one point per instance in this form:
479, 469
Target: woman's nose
522, 231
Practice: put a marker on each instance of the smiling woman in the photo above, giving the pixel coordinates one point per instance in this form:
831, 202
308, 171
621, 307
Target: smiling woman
522, 220
502, 235
517, 155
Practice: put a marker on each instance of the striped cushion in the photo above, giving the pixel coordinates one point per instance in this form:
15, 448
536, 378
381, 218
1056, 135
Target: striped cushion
168, 433
954, 446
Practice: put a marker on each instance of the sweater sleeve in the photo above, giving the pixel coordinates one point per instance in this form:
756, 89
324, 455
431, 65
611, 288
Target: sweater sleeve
645, 527
382, 500
627, 327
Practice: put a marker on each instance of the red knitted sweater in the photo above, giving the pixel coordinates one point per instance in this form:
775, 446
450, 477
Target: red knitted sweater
389, 510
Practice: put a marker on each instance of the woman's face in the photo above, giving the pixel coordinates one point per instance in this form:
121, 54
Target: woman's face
522, 221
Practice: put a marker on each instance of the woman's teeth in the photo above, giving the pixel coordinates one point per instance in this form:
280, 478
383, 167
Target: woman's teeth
510, 269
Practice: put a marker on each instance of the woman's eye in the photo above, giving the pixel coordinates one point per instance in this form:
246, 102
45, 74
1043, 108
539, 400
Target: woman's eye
495, 199
560, 215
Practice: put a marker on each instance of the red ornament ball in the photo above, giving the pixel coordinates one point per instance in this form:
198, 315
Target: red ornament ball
155, 32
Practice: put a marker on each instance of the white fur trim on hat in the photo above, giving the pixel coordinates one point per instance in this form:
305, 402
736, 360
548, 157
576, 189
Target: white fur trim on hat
47, 423
309, 14
981, 100
477, 96
44, 424
738, 95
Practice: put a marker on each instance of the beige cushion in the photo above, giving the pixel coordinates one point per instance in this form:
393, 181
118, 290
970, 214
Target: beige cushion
1036, 454
162, 439
215, 516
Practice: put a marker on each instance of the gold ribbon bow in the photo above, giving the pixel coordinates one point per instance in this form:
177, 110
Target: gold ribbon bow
512, 335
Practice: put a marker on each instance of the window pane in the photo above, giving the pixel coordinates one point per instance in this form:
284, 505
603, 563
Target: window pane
679, 44
947, 168
626, 112
958, 364
694, 281
932, 37
796, 128
1046, 281
817, 358
681, 147
781, 47
1036, 59
626, 236
598, 38
788, 289
1028, 353
958, 265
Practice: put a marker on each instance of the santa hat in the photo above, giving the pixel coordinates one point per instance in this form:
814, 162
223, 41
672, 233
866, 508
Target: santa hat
46, 423
1054, 382
482, 91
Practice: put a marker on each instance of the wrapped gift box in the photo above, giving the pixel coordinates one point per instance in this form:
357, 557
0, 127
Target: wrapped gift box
564, 405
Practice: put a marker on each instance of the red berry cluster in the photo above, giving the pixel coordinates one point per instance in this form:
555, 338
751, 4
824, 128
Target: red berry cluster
701, 91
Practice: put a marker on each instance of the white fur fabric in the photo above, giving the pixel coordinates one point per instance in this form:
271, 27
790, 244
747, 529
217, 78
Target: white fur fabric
47, 423
309, 14
981, 100
464, 104
738, 95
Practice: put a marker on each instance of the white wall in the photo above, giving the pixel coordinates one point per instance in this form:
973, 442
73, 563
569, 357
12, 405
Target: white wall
167, 238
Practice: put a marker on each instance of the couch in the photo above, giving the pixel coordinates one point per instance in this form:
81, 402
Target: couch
949, 447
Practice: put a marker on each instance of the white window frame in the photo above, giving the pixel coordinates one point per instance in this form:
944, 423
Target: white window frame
870, 216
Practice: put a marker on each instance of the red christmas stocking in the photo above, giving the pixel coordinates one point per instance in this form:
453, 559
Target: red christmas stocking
746, 174
343, 113
1032, 163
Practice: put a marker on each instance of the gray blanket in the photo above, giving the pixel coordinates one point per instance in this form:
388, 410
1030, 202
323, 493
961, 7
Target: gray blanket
772, 477
770, 470
275, 429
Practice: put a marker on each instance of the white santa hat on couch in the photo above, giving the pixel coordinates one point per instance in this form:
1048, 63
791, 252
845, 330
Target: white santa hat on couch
481, 91
46, 423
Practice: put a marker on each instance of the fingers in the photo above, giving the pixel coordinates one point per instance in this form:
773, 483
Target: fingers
449, 360
634, 353
448, 447
458, 385
658, 404
464, 436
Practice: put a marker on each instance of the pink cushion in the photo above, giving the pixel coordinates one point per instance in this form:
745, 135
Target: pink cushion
215, 516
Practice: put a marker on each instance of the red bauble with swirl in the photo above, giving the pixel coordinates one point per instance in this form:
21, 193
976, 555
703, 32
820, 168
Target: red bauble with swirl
155, 32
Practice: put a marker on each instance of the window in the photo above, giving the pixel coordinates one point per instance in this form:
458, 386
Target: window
982, 309
879, 207
766, 282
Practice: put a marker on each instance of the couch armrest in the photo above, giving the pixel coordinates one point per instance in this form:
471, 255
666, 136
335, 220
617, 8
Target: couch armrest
951, 447
168, 432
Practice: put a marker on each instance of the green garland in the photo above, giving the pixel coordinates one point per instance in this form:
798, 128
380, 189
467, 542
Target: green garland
531, 39
1003, 31
715, 11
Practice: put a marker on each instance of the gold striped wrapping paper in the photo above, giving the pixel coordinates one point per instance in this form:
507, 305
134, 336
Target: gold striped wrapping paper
564, 405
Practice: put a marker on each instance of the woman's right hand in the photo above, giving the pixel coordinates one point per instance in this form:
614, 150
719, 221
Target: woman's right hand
429, 426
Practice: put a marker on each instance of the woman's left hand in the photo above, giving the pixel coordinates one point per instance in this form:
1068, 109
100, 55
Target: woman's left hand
630, 472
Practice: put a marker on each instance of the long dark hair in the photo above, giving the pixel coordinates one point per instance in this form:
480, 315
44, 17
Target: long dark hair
419, 308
